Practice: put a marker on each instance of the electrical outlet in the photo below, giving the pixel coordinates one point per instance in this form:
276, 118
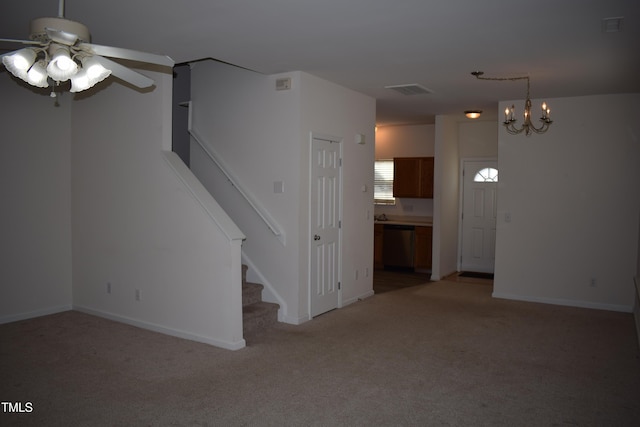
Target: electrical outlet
108, 287
592, 282
138, 295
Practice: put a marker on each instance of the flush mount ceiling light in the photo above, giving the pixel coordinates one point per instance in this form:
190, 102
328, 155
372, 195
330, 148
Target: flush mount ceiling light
473, 114
509, 119
59, 50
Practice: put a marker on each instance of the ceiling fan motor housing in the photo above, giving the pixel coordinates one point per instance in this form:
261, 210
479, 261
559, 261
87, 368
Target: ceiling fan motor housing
39, 26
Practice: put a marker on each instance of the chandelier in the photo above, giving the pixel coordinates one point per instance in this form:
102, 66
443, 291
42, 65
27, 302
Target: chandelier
509, 120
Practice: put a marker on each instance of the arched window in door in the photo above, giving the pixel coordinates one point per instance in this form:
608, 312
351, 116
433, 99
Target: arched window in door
486, 175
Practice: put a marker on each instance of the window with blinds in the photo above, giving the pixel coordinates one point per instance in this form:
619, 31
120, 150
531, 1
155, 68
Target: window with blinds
383, 183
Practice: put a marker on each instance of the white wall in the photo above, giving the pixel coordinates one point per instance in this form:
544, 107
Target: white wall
263, 137
255, 130
405, 141
445, 198
573, 197
332, 110
478, 139
35, 218
138, 226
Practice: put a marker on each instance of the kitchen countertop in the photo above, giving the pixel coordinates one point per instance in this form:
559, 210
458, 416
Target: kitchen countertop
407, 220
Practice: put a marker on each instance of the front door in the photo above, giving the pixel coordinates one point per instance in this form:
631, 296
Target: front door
479, 205
325, 193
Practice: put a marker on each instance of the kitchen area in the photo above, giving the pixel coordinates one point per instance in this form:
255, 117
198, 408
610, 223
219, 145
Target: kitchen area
403, 242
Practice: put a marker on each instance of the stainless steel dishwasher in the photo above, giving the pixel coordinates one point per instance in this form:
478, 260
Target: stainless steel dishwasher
398, 245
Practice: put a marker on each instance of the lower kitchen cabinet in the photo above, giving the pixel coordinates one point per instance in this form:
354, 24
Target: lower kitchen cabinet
378, 239
422, 248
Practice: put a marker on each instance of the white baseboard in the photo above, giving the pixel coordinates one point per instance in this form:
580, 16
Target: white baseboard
35, 313
565, 302
358, 298
292, 320
228, 345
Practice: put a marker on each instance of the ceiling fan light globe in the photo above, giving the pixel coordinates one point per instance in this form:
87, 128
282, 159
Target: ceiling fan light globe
95, 71
37, 75
62, 67
19, 62
91, 73
80, 81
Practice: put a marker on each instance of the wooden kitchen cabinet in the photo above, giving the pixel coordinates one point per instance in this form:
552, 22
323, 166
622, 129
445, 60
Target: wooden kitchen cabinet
413, 177
422, 248
378, 241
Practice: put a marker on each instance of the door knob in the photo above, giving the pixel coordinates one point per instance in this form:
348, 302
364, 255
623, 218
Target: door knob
316, 237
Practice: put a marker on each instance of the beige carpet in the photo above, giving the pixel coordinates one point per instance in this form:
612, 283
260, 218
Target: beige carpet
441, 354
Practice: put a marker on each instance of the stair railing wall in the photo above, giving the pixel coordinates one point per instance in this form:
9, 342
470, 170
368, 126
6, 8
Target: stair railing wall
235, 182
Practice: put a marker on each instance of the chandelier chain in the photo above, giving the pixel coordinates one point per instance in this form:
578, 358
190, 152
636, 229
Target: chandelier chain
479, 76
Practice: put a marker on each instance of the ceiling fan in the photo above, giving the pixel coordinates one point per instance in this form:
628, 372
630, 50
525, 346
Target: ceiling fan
60, 50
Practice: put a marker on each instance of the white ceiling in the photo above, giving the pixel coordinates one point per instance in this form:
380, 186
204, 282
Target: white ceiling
366, 45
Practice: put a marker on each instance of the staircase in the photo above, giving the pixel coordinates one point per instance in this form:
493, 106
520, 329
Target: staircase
257, 315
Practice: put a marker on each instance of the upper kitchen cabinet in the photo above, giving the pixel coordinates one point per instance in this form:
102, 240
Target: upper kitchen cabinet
413, 177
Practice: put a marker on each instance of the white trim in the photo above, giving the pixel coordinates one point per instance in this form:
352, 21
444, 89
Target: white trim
202, 196
36, 313
358, 298
565, 302
295, 320
228, 345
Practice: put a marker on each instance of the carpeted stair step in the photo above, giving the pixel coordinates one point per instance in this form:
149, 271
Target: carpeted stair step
257, 316
251, 293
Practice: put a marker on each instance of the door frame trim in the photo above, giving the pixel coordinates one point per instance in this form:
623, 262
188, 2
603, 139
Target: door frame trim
463, 160
338, 140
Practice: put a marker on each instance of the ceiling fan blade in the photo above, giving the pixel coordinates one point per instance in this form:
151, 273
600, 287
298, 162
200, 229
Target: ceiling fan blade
62, 37
133, 55
124, 73
21, 41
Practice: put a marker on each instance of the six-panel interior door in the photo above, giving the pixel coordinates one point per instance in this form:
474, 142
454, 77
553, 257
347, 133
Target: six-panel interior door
479, 205
325, 226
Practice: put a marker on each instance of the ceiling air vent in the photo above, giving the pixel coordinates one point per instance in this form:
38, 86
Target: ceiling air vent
410, 89
612, 25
